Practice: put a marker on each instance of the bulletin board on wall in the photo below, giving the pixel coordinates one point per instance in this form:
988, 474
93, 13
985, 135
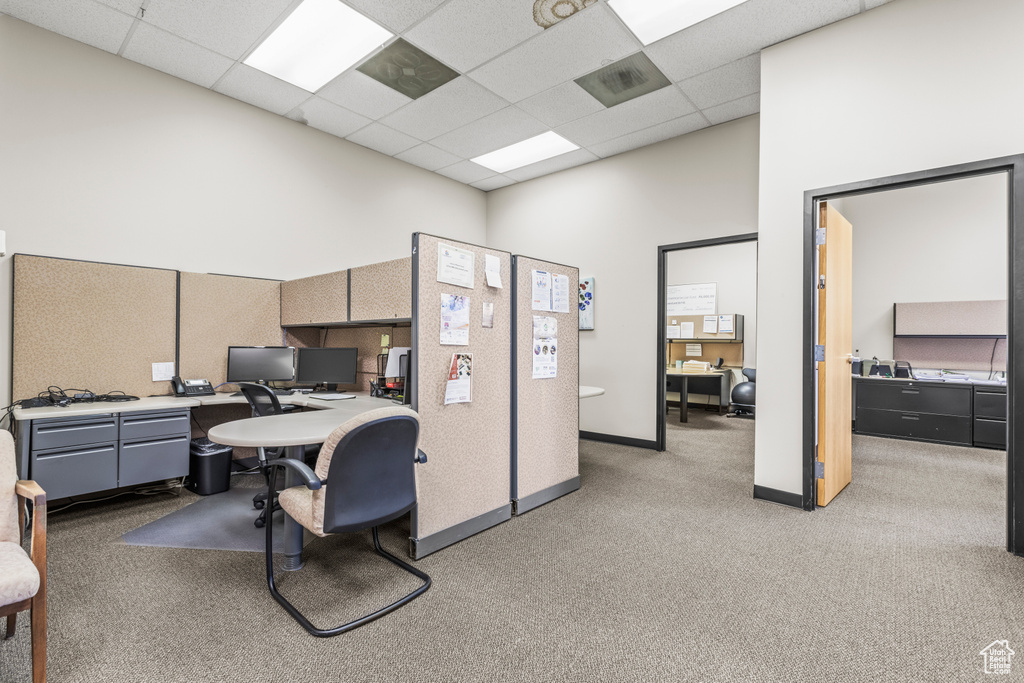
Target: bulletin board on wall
464, 486
90, 326
545, 452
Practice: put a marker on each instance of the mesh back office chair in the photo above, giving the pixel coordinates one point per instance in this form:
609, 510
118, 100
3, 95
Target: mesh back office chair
369, 464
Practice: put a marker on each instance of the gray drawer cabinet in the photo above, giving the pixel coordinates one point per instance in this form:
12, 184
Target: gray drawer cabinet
909, 409
989, 416
77, 455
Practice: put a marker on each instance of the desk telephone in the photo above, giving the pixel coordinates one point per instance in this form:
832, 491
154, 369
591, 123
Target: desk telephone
191, 387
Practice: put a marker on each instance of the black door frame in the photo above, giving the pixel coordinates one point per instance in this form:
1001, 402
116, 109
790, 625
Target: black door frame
662, 294
1013, 166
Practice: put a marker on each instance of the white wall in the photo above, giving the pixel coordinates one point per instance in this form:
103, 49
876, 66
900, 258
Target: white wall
907, 243
608, 218
909, 86
107, 160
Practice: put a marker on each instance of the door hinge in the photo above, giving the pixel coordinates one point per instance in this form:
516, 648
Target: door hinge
819, 236
819, 469
819, 353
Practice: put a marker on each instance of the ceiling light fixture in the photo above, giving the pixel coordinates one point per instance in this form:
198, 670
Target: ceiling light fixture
652, 20
318, 41
529, 151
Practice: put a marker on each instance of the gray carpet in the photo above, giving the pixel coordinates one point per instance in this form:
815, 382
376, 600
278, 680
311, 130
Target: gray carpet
661, 568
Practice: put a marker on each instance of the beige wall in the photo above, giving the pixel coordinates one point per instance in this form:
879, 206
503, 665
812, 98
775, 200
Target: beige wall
107, 160
608, 218
909, 86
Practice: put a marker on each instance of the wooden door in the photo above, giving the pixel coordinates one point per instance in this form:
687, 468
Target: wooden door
835, 333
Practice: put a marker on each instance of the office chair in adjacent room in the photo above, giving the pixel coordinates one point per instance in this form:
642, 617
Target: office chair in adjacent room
364, 477
23, 580
742, 397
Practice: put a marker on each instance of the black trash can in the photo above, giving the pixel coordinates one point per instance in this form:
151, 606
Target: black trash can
209, 467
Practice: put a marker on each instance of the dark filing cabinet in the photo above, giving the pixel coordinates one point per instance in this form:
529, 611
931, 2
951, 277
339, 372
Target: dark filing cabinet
909, 409
990, 416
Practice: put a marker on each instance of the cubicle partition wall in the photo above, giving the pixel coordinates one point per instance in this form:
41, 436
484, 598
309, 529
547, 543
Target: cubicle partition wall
318, 300
464, 487
545, 408
382, 291
90, 326
367, 340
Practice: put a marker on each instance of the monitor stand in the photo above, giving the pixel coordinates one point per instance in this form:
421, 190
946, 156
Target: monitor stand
331, 387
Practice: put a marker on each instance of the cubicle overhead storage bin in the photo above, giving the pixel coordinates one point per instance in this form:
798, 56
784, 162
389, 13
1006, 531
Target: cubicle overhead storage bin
545, 408
319, 300
381, 291
464, 486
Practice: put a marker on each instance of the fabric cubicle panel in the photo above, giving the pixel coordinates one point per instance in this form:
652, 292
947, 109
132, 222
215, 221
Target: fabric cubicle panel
464, 486
382, 291
316, 300
545, 452
85, 325
218, 311
367, 340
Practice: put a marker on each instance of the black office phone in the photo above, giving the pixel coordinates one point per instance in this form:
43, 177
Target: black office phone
191, 387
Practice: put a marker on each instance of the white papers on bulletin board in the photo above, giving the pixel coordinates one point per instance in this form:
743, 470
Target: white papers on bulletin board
488, 314
693, 350
541, 290
696, 299
492, 270
711, 324
725, 324
560, 293
672, 332
455, 266
454, 320
544, 327
459, 388
545, 342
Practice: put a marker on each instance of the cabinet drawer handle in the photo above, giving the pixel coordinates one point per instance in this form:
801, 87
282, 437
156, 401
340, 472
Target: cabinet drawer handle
910, 391
910, 417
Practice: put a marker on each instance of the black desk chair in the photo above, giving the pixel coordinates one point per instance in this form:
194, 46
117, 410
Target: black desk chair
743, 394
369, 463
263, 401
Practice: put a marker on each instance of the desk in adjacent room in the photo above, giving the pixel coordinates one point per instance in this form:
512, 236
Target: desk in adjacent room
678, 382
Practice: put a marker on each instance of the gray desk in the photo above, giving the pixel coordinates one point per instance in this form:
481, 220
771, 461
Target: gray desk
678, 381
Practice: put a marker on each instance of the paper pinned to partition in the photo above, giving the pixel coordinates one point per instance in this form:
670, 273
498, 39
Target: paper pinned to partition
686, 330
710, 324
488, 314
492, 271
694, 350
672, 332
725, 324
455, 266
459, 388
454, 320
560, 293
545, 360
541, 290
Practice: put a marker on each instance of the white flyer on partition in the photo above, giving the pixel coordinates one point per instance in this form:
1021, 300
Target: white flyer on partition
711, 324
672, 332
545, 358
492, 270
544, 327
560, 293
725, 323
693, 350
686, 330
455, 266
541, 290
454, 320
459, 388
488, 314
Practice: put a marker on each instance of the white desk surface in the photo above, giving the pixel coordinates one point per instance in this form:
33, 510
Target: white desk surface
590, 392
672, 370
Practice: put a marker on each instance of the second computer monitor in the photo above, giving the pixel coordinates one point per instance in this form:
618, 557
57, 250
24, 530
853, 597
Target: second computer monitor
261, 363
327, 366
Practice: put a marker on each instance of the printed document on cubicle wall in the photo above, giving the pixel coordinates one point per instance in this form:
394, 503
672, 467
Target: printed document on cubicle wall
545, 345
455, 266
459, 388
454, 320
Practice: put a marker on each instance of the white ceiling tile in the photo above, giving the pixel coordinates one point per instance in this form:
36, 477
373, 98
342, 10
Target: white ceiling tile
741, 31
552, 165
578, 45
636, 114
84, 21
383, 139
427, 156
170, 54
872, 4
494, 183
452, 105
745, 106
466, 33
500, 129
396, 15
229, 27
648, 136
466, 172
726, 83
262, 90
330, 118
129, 7
561, 104
363, 95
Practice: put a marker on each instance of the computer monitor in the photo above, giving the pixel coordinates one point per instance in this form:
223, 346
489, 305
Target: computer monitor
327, 366
261, 363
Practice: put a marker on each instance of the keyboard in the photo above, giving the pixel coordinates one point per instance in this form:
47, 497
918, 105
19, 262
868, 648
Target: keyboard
277, 392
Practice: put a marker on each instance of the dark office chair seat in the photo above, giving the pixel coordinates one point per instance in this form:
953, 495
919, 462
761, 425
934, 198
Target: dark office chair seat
263, 401
364, 477
742, 397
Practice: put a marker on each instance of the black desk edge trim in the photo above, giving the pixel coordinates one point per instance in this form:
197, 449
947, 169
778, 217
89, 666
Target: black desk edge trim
793, 500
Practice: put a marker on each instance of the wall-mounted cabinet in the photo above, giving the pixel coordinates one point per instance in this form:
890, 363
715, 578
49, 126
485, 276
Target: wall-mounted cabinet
317, 300
382, 291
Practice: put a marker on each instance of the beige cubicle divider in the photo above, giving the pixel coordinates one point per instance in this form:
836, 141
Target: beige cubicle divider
317, 300
218, 311
367, 340
545, 445
382, 291
90, 326
464, 486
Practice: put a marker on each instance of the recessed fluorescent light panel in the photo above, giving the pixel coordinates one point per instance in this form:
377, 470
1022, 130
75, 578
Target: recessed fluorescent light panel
623, 80
318, 41
652, 20
530, 151
407, 69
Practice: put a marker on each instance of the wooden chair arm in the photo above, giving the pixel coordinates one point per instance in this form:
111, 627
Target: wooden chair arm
28, 489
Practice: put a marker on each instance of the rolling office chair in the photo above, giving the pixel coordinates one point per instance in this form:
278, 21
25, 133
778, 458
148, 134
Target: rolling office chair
369, 463
742, 397
264, 401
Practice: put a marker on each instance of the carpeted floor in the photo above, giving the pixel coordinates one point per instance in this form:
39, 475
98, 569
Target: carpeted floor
661, 568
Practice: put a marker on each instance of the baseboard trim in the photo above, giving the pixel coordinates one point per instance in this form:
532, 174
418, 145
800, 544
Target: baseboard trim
793, 500
421, 547
620, 440
549, 494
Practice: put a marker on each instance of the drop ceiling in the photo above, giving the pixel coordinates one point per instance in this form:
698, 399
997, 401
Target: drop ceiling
516, 63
